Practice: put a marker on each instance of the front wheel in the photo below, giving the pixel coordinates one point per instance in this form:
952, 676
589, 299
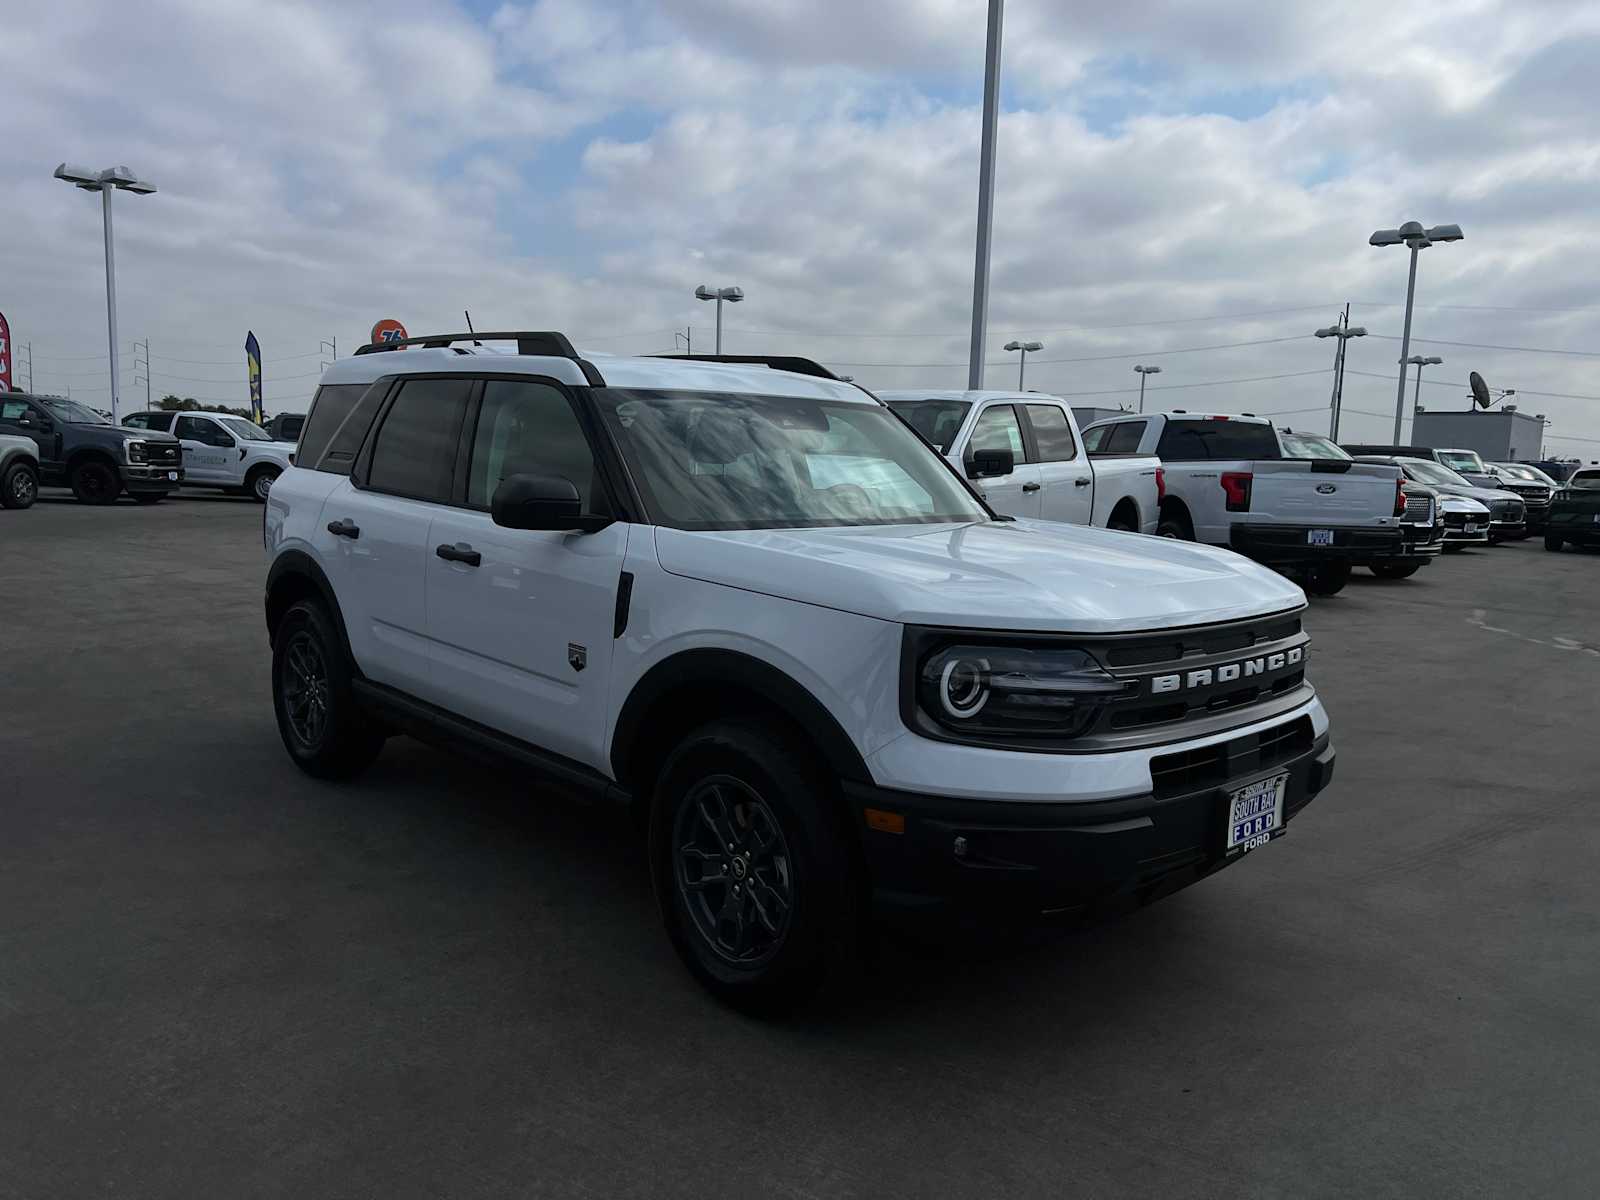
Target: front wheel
321, 724
1395, 570
752, 866
1327, 578
95, 483
20, 486
1553, 541
259, 484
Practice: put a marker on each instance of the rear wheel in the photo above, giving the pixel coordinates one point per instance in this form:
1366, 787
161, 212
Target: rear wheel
1175, 525
1327, 578
1124, 520
321, 724
752, 866
19, 487
1395, 570
95, 482
1553, 541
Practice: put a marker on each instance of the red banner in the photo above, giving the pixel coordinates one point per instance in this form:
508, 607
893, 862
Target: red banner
5, 355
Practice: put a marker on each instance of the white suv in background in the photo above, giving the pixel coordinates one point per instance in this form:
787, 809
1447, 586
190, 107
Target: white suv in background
753, 604
221, 450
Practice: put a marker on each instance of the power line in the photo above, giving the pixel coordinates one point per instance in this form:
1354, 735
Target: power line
1476, 307
855, 333
1388, 337
1095, 357
1178, 387
1449, 384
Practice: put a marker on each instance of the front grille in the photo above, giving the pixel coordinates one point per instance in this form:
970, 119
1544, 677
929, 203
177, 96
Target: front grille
1455, 520
1507, 510
1193, 770
1534, 495
1419, 510
163, 454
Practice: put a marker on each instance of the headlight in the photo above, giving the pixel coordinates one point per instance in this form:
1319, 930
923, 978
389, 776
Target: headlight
136, 451
1016, 692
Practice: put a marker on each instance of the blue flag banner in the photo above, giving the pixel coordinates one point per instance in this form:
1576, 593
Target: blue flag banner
252, 359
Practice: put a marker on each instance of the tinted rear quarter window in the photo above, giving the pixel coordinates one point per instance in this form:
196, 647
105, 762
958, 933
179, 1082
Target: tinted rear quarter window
415, 454
341, 414
1125, 437
1201, 440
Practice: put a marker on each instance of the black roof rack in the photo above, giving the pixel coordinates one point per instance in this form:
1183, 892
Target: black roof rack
778, 362
546, 342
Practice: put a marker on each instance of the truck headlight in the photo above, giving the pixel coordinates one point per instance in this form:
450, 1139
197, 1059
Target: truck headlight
137, 451
1012, 692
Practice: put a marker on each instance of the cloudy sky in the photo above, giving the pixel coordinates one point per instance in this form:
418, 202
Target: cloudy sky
1176, 177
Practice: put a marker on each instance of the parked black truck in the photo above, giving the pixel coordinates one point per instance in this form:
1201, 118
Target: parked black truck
80, 449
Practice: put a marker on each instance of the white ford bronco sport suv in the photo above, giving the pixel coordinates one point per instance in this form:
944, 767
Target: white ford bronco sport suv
661, 582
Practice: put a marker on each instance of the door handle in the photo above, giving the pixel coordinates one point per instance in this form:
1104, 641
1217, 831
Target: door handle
461, 553
347, 529
1082, 482
1030, 487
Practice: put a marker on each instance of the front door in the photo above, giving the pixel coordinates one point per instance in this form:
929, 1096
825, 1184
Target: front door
520, 622
207, 447
22, 419
1016, 494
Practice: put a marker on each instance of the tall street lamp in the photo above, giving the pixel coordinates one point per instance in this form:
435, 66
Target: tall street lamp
1022, 364
1433, 360
105, 182
1144, 373
1414, 236
980, 268
1344, 333
731, 294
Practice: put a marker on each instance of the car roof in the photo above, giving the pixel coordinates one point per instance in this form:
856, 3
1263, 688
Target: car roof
617, 371
971, 397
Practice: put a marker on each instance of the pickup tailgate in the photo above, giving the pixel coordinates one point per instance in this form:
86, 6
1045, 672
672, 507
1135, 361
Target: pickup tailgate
1323, 492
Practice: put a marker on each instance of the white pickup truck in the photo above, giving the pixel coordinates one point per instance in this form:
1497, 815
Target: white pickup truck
221, 450
1228, 482
1048, 474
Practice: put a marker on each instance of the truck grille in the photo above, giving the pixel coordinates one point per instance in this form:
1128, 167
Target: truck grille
1193, 770
163, 454
1419, 511
1506, 511
1534, 495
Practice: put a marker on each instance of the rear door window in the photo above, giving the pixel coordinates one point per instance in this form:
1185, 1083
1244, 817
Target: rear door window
415, 454
1051, 433
1203, 440
341, 414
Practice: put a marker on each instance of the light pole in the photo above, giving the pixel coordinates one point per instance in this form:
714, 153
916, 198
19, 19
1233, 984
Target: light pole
1419, 362
105, 182
980, 270
1022, 364
731, 294
1144, 373
1344, 332
1414, 236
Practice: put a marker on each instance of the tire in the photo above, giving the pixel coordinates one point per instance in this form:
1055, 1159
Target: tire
1553, 541
19, 487
1123, 521
95, 482
799, 929
148, 497
1327, 578
319, 719
1175, 526
1395, 570
259, 482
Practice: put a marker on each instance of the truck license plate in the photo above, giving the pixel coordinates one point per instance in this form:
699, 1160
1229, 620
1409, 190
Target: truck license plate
1319, 537
1255, 813
1471, 527
172, 477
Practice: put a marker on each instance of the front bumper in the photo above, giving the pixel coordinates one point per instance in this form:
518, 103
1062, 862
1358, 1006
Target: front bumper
1288, 544
138, 477
1499, 531
982, 860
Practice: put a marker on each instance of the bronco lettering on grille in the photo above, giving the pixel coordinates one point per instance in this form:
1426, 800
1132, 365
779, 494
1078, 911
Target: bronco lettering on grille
1207, 676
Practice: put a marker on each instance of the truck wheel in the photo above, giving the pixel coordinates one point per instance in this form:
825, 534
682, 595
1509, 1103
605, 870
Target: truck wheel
95, 482
321, 724
752, 868
1327, 579
1395, 570
1174, 526
1553, 541
20, 486
259, 482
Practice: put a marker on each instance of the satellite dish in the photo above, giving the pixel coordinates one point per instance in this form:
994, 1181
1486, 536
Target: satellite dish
1480, 390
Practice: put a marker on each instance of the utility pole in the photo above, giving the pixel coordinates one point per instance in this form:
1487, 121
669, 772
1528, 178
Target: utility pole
146, 365
29, 348
687, 337
332, 346
980, 270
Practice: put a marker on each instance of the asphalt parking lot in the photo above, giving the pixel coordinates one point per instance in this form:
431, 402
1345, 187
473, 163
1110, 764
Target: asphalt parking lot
220, 978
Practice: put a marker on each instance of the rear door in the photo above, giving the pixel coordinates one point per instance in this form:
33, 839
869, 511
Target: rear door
521, 632
1066, 491
998, 427
373, 534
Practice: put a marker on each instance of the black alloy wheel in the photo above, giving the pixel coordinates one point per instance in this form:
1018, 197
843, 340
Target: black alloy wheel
95, 483
306, 687
733, 871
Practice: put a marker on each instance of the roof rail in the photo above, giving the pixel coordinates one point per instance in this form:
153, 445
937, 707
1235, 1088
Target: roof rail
549, 343
778, 362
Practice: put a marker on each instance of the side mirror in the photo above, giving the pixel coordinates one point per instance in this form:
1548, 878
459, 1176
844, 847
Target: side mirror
988, 463
542, 502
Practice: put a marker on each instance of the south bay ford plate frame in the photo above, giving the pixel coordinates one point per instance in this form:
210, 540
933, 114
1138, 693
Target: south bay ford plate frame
1255, 813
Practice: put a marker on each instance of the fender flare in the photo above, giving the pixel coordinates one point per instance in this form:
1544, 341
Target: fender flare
299, 566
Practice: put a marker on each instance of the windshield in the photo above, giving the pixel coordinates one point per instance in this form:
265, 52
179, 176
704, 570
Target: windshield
1531, 474
937, 420
248, 430
740, 461
1463, 460
1429, 472
73, 413
1588, 481
1310, 445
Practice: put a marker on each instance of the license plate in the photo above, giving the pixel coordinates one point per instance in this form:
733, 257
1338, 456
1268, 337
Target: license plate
1470, 527
1597, 518
1255, 813
172, 477
1319, 537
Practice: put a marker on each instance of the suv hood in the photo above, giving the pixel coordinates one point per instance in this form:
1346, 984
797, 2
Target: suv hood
996, 575
1482, 495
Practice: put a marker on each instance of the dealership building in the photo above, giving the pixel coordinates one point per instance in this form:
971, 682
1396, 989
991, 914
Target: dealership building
1498, 435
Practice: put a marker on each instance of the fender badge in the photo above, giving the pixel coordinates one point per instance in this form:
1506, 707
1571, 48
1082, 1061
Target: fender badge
577, 656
